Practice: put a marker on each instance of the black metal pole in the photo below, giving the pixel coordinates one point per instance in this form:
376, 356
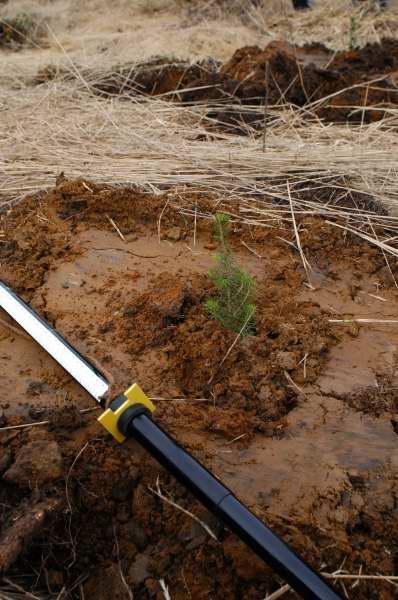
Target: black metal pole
220, 500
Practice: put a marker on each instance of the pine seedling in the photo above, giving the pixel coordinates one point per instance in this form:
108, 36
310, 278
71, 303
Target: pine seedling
233, 306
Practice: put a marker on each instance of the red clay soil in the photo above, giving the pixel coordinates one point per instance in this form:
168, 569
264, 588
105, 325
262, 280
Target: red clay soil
278, 74
316, 457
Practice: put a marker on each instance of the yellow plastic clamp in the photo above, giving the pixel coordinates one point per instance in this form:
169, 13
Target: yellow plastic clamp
109, 418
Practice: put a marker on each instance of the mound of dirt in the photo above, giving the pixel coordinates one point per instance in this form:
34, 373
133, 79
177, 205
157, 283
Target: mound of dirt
336, 87
155, 78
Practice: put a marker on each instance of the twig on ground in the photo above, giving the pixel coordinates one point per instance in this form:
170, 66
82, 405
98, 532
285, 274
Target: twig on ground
40, 423
306, 264
165, 589
378, 297
112, 222
338, 576
303, 361
158, 492
61, 593
122, 577
195, 223
293, 383
278, 593
251, 250
265, 103
239, 437
185, 582
19, 588
369, 321
160, 399
88, 188
161, 216
70, 512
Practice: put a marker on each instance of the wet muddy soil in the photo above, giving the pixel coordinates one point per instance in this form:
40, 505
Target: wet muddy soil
299, 420
356, 85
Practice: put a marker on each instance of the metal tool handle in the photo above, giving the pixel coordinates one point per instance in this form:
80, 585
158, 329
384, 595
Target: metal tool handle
220, 501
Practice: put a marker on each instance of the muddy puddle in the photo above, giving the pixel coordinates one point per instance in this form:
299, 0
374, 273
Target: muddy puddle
298, 420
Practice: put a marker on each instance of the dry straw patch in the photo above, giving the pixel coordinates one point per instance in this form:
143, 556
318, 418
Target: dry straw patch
328, 22
150, 142
160, 145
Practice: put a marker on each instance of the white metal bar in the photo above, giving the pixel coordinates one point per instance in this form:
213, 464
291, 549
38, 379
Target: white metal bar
52, 342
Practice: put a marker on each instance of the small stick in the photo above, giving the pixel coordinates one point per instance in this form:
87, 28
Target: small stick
61, 594
39, 423
112, 222
161, 216
381, 321
165, 589
158, 399
70, 512
239, 437
20, 589
87, 187
278, 593
337, 576
195, 224
303, 361
389, 578
304, 260
251, 249
158, 492
122, 577
265, 103
293, 383
378, 297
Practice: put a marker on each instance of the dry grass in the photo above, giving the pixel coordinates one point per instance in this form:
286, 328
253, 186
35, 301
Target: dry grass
328, 22
11, 590
158, 145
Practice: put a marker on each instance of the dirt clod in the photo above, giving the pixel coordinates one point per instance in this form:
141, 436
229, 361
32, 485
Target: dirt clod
25, 528
286, 360
140, 570
107, 584
36, 463
173, 234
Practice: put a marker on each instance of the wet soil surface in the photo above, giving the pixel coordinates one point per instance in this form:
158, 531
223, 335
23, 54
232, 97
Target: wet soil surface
356, 85
299, 420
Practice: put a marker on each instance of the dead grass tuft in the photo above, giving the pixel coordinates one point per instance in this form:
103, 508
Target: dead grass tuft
328, 23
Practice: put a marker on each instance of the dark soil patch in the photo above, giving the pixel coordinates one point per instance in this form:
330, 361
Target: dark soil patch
159, 76
276, 75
